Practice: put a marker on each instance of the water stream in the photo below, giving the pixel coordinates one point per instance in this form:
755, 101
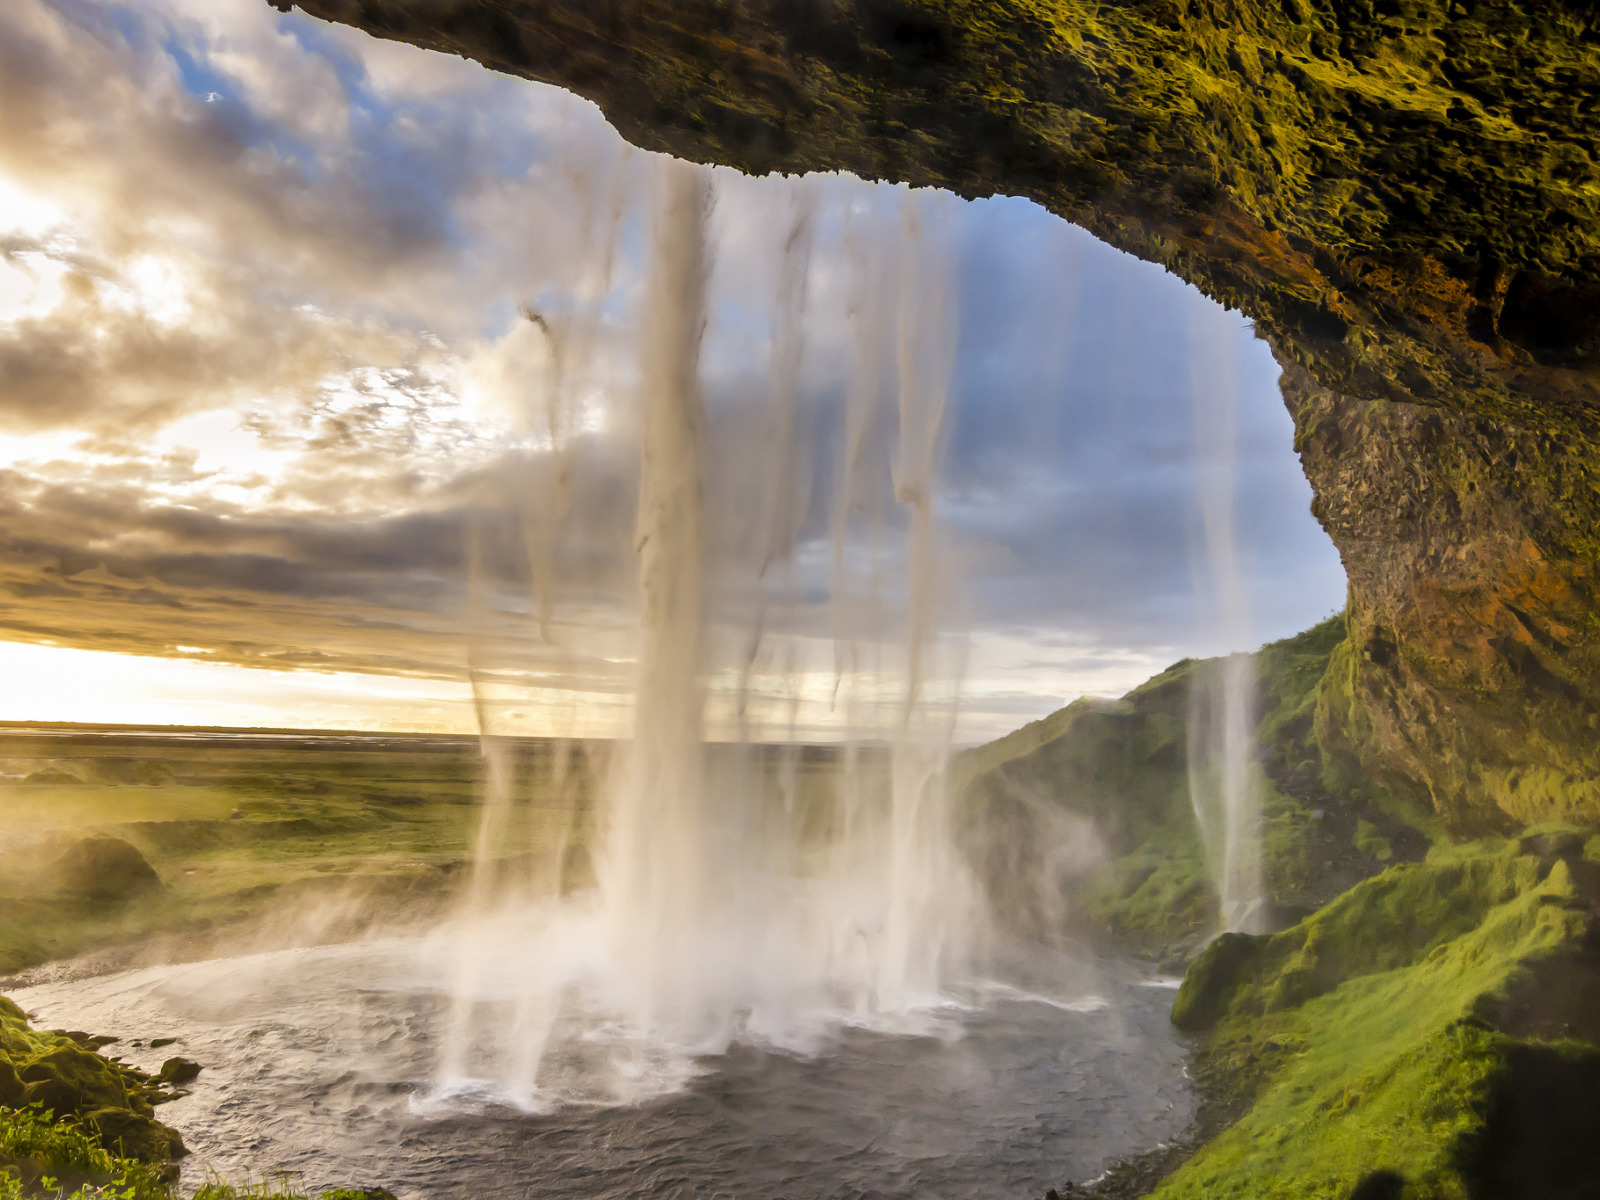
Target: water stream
1224, 782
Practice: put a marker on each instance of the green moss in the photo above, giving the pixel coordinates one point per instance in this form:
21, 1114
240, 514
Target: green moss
1370, 841
1289, 675
1389, 921
1343, 733
44, 1157
62, 1073
1359, 1034
1214, 978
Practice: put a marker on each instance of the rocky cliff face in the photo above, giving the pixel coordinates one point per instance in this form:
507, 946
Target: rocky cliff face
1404, 194
1471, 675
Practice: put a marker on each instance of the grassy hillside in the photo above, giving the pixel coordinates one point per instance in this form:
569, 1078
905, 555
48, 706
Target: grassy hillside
1423, 1025
1111, 778
1407, 1040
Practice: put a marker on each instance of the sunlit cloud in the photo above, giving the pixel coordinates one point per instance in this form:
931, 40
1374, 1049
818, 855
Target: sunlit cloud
300, 331
66, 684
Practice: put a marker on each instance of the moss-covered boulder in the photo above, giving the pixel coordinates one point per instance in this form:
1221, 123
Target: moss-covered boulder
60, 1072
129, 1134
103, 869
179, 1070
69, 1079
1213, 979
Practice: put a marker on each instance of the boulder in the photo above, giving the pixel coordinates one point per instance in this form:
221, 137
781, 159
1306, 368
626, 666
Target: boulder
104, 868
68, 1078
1213, 978
132, 1135
178, 1070
61, 1072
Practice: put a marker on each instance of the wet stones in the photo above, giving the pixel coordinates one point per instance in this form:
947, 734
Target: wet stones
178, 1070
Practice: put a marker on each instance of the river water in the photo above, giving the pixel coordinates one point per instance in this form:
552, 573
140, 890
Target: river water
320, 1062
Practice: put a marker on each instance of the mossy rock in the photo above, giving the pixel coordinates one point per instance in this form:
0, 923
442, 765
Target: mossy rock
133, 1135
1370, 841
1213, 978
179, 1070
104, 869
69, 1079
12, 1086
60, 1072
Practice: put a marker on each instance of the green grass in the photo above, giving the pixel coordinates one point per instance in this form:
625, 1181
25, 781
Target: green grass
46, 1159
235, 827
41, 1157
1361, 1031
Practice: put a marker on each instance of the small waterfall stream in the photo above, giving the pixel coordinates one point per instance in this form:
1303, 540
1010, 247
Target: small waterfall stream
1224, 784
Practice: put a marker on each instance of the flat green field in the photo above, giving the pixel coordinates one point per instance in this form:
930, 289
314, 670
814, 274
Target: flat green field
279, 835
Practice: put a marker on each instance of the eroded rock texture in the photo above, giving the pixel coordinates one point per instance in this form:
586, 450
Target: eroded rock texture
1471, 677
1404, 194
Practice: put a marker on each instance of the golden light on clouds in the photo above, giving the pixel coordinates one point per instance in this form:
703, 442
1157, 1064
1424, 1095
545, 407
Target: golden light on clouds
269, 380
56, 683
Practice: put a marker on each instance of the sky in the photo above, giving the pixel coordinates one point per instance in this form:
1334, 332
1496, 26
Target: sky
282, 442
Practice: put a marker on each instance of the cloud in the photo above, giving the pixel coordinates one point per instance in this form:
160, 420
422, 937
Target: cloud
243, 216
318, 352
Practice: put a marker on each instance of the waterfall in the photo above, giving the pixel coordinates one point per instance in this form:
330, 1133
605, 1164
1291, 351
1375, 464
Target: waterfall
1224, 782
744, 886
653, 872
